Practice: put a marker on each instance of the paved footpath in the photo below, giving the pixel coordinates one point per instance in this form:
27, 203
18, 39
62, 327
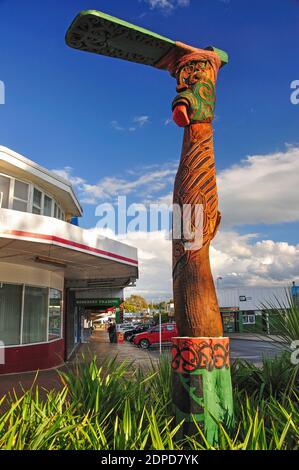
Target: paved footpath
251, 348
98, 346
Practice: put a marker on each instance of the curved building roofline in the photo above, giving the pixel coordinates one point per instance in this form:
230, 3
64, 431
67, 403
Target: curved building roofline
14, 159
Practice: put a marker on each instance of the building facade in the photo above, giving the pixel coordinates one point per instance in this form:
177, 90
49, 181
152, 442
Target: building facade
243, 309
54, 275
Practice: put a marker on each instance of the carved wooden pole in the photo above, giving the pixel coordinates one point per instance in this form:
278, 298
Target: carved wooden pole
200, 355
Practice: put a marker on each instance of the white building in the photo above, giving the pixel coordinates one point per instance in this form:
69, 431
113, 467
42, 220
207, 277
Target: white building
242, 308
52, 273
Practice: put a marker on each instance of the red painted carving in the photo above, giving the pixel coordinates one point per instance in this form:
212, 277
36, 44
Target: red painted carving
191, 354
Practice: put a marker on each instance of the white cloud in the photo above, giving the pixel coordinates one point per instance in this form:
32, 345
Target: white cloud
240, 260
143, 183
261, 189
66, 173
115, 125
154, 254
141, 120
168, 121
234, 257
138, 122
167, 5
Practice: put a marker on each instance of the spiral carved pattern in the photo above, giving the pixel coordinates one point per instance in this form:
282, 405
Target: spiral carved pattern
195, 184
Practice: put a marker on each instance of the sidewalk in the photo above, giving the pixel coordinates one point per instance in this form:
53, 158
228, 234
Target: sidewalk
98, 346
255, 337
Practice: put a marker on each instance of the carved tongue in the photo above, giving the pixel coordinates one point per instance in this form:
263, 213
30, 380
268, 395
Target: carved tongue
180, 116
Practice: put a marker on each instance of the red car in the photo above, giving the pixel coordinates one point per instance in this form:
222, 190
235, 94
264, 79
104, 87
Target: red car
152, 336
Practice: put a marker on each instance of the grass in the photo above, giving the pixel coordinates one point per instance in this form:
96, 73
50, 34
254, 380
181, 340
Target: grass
116, 407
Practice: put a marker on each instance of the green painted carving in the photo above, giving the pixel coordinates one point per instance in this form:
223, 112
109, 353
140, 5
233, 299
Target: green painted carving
218, 399
203, 396
97, 32
191, 390
222, 54
200, 100
196, 87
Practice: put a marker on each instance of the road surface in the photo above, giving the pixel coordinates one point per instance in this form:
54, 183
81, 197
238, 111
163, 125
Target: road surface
250, 350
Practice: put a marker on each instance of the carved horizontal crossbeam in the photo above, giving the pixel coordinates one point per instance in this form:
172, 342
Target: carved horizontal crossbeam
97, 32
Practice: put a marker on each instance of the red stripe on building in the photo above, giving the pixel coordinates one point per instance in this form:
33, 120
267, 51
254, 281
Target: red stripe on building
64, 241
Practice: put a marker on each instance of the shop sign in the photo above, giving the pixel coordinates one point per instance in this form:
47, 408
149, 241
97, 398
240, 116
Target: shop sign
96, 302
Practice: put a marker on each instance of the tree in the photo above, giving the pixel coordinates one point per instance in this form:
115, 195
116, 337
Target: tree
164, 318
135, 303
129, 308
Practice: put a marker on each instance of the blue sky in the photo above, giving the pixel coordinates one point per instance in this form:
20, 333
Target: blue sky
75, 112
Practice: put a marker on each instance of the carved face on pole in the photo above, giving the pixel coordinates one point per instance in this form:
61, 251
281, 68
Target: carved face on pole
196, 99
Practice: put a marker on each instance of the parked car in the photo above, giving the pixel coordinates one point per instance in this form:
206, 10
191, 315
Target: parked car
152, 336
136, 330
123, 327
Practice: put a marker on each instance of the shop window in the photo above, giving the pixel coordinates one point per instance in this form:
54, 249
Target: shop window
20, 196
248, 319
47, 206
4, 191
35, 315
10, 313
37, 201
55, 314
58, 213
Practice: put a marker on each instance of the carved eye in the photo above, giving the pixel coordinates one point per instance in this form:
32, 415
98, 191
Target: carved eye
197, 76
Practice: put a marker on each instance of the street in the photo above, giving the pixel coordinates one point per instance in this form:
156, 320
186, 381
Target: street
253, 351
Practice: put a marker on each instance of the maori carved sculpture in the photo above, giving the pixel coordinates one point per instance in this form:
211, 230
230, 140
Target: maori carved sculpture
196, 306
200, 356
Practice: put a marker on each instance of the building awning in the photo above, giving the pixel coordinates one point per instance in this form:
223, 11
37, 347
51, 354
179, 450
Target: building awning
87, 259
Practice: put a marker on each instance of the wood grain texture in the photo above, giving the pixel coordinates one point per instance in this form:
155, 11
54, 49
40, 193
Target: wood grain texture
196, 306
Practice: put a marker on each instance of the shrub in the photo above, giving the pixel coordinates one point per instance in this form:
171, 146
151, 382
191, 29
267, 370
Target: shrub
116, 407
